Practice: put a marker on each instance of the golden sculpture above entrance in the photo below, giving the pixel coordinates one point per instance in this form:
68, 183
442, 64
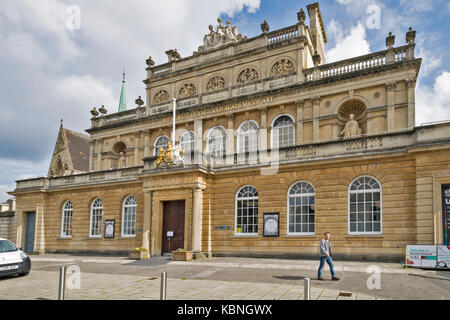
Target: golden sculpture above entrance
173, 155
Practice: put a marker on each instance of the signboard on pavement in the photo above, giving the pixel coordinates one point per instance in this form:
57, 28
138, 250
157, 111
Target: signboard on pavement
421, 256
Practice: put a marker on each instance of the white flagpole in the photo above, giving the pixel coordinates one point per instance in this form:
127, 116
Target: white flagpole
174, 107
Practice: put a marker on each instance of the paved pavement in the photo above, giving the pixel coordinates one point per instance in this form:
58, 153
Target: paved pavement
104, 278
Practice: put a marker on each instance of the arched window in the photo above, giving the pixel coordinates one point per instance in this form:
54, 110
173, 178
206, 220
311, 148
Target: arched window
66, 224
364, 200
282, 132
129, 217
216, 142
96, 218
301, 209
161, 142
247, 137
247, 211
187, 141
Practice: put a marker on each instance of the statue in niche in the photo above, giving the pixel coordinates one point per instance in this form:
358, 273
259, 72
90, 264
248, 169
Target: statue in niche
351, 128
122, 160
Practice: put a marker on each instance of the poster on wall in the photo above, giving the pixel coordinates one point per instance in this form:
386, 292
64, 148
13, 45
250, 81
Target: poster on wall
421, 256
446, 213
271, 224
109, 228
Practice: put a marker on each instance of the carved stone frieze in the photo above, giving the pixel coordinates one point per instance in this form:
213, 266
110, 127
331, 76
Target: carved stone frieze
215, 83
301, 153
282, 67
161, 97
187, 90
248, 75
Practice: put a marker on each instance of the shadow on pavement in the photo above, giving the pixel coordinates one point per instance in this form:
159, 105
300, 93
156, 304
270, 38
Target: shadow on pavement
154, 261
290, 277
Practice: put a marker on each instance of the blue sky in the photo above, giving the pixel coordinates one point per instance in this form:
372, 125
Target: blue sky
52, 72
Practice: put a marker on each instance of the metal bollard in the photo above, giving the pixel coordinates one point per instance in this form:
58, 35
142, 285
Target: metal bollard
163, 285
307, 289
62, 283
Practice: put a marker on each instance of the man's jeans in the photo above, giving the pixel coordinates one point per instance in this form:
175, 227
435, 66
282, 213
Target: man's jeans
330, 263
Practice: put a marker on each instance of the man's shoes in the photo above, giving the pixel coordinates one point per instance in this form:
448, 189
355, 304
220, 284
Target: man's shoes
335, 279
322, 279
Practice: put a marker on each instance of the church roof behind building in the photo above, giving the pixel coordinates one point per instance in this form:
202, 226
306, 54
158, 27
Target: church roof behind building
78, 145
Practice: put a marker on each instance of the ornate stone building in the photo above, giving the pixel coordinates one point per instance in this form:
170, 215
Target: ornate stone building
279, 147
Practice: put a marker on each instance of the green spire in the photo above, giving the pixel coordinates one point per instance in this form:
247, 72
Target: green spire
123, 97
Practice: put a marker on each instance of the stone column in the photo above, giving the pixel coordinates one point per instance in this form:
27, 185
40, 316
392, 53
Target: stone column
411, 85
146, 227
147, 144
229, 144
299, 125
136, 148
316, 115
263, 130
390, 88
198, 144
197, 220
99, 154
91, 154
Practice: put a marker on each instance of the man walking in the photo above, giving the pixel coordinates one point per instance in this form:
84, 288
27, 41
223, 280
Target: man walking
325, 255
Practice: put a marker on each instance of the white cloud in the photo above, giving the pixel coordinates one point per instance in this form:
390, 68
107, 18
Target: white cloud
347, 46
433, 102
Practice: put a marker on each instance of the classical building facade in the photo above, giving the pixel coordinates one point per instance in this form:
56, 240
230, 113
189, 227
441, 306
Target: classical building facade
279, 147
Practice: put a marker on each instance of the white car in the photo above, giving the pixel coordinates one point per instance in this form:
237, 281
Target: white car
13, 261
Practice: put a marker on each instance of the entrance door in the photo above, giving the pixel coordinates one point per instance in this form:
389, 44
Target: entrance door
173, 221
29, 232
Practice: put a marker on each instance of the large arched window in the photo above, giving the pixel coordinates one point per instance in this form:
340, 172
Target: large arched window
364, 200
187, 141
282, 134
66, 224
129, 217
301, 209
96, 218
160, 142
216, 142
247, 140
247, 211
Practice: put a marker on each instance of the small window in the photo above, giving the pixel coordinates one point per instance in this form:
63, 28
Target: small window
66, 225
96, 218
247, 211
364, 199
129, 217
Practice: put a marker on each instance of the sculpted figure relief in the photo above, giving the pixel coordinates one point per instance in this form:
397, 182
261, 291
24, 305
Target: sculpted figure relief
351, 128
161, 97
222, 35
187, 90
248, 75
282, 67
215, 83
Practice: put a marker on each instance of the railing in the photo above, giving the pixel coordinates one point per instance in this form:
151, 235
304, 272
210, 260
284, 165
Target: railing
283, 34
161, 69
356, 64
